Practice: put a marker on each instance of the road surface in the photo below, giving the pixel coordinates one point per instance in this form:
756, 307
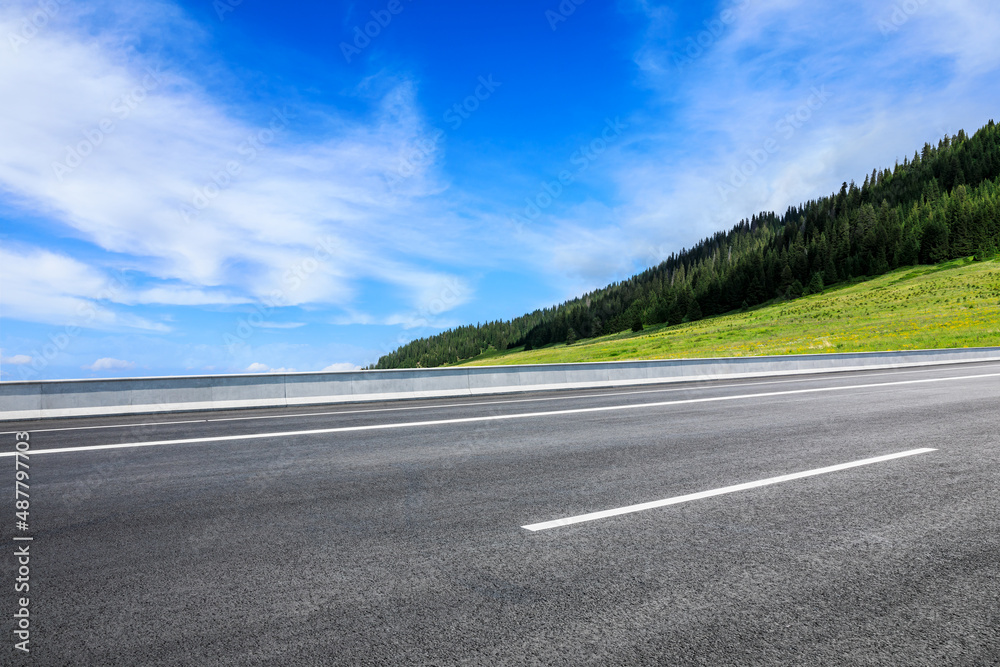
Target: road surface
394, 533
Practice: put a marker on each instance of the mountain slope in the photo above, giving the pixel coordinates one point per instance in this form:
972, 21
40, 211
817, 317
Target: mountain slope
941, 205
955, 304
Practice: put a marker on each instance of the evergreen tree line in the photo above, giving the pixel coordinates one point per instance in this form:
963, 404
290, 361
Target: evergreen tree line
941, 205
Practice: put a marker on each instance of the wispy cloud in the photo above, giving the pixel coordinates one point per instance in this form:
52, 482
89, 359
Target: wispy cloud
16, 360
43, 286
129, 151
753, 84
281, 325
109, 364
258, 367
333, 368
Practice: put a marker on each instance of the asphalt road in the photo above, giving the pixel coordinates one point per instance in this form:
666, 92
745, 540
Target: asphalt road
361, 535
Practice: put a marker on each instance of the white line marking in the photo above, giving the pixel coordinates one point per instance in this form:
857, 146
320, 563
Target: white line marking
692, 385
593, 516
93, 428
469, 420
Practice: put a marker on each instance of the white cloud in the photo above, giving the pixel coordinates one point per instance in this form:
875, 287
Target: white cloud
258, 367
109, 364
46, 287
333, 368
352, 316
136, 157
886, 95
281, 325
432, 295
17, 360
180, 296
417, 320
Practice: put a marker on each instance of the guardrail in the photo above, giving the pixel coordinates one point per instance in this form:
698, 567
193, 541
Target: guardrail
77, 398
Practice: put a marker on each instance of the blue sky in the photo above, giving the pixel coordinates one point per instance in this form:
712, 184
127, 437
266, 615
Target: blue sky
245, 186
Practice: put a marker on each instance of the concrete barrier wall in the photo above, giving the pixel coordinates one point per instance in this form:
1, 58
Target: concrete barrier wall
75, 398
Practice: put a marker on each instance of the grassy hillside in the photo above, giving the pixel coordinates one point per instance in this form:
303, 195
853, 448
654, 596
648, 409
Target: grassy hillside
941, 206
956, 304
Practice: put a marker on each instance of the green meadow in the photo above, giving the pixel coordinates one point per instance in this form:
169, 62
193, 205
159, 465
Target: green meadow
956, 304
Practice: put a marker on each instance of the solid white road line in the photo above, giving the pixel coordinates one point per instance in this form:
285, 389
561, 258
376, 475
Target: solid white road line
593, 516
470, 420
104, 426
701, 386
